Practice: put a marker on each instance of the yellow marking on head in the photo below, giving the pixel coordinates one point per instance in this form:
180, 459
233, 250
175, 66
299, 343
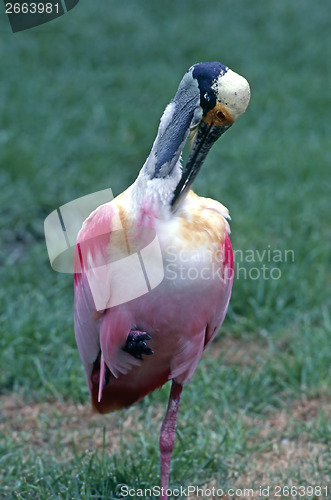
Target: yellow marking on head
219, 115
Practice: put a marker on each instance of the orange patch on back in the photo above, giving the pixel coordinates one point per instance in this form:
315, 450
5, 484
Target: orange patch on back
203, 225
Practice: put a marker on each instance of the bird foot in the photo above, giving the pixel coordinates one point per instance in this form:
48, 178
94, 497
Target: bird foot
136, 344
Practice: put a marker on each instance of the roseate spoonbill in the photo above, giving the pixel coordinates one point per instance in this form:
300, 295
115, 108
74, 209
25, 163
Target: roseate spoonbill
131, 347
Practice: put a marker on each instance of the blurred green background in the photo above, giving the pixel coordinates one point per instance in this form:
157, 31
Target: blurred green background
80, 102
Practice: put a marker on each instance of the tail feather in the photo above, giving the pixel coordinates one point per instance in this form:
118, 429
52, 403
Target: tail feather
101, 377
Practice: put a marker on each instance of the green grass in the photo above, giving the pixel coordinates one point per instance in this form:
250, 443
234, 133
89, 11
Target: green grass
80, 101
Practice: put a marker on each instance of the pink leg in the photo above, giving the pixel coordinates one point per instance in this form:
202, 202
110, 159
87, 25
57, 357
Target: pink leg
167, 436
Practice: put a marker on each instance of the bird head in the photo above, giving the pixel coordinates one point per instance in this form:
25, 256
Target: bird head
216, 96
209, 99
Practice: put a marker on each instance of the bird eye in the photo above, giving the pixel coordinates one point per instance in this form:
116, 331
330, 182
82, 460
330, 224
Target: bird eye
220, 115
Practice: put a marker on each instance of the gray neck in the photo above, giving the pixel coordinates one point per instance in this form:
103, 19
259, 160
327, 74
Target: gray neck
173, 130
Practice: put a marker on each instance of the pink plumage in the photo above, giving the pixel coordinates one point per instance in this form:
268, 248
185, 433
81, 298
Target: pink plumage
154, 267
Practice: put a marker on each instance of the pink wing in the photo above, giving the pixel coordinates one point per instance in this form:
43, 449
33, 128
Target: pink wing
96, 329
225, 292
187, 357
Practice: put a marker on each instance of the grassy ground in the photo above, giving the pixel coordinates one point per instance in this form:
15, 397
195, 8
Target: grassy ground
80, 100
